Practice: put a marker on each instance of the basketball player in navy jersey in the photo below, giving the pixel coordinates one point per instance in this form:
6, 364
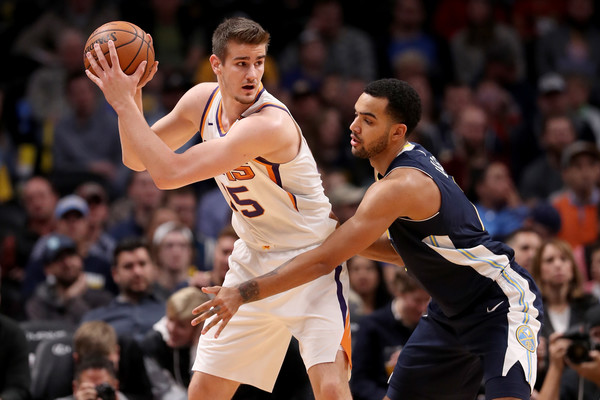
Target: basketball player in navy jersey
483, 320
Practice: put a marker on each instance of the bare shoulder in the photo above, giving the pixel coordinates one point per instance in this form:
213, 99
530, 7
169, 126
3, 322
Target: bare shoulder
276, 132
198, 95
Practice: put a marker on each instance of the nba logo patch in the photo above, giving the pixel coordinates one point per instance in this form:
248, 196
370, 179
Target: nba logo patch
526, 337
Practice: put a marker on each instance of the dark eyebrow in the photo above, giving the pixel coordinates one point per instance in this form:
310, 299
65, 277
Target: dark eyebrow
368, 114
243, 58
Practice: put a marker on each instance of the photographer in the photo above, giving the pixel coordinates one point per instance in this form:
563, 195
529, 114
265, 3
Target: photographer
576, 351
95, 378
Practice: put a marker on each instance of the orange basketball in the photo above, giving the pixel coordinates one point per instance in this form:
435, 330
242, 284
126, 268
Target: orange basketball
130, 43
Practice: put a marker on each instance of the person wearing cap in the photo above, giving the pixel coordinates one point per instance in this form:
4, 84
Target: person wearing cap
566, 379
65, 294
71, 214
578, 203
96, 197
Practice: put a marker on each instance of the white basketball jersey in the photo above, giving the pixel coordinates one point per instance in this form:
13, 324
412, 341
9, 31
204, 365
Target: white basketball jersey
275, 206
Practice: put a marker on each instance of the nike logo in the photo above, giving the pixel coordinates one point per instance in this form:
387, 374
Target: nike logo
494, 308
210, 123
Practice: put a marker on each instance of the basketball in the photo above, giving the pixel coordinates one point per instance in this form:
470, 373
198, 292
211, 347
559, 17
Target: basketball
130, 42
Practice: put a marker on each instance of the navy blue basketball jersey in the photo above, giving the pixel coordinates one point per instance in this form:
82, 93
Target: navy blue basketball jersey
450, 253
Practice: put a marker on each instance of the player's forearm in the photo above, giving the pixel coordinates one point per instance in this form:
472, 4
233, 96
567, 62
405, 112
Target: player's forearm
299, 271
382, 250
130, 156
151, 151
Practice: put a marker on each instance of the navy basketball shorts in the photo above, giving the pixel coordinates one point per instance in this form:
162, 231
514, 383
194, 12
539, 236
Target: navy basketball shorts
491, 346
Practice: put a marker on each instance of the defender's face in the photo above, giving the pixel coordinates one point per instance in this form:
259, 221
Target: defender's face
241, 73
371, 126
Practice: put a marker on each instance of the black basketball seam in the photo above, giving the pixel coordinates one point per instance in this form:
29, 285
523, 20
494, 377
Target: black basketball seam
139, 48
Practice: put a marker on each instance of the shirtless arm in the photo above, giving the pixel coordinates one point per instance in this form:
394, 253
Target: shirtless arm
376, 212
382, 250
259, 135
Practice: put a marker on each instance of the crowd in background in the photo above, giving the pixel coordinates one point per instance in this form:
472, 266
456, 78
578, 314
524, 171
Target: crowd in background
511, 109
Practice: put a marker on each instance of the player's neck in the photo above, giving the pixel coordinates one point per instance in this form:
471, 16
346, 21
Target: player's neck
382, 161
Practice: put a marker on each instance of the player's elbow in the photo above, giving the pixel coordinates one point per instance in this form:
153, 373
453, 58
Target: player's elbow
134, 166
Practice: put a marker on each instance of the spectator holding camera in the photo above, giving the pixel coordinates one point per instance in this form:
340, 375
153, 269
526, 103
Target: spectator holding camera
574, 368
555, 270
95, 378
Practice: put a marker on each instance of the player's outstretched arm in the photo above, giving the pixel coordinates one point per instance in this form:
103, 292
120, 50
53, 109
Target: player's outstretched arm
372, 218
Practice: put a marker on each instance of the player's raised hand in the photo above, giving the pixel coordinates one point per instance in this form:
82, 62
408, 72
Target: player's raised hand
111, 79
221, 308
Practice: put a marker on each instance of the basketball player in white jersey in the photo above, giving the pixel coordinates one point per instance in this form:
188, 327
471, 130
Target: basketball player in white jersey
255, 151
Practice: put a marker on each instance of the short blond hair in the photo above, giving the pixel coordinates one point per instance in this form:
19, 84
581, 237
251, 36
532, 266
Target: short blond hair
182, 302
95, 338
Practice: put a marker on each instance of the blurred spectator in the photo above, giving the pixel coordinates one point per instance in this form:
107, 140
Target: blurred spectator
310, 69
534, 18
344, 198
350, 51
179, 41
140, 303
36, 41
368, 288
72, 220
544, 219
15, 377
408, 32
220, 265
559, 278
475, 145
184, 201
498, 202
567, 379
327, 139
586, 116
46, 89
99, 339
456, 97
525, 242
570, 46
593, 285
131, 214
173, 253
159, 217
86, 141
38, 199
172, 341
503, 113
542, 177
556, 272
97, 200
527, 139
213, 213
427, 132
578, 202
65, 294
482, 32
382, 335
95, 378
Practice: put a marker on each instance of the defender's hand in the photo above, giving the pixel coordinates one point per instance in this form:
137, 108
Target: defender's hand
221, 308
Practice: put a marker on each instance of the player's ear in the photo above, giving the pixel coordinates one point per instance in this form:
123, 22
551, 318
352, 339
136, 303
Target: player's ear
215, 64
399, 131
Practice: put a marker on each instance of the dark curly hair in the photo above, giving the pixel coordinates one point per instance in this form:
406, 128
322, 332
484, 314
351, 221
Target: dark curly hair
404, 104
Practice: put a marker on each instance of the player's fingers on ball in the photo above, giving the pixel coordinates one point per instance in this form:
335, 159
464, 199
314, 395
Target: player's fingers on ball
100, 57
93, 63
112, 50
93, 78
